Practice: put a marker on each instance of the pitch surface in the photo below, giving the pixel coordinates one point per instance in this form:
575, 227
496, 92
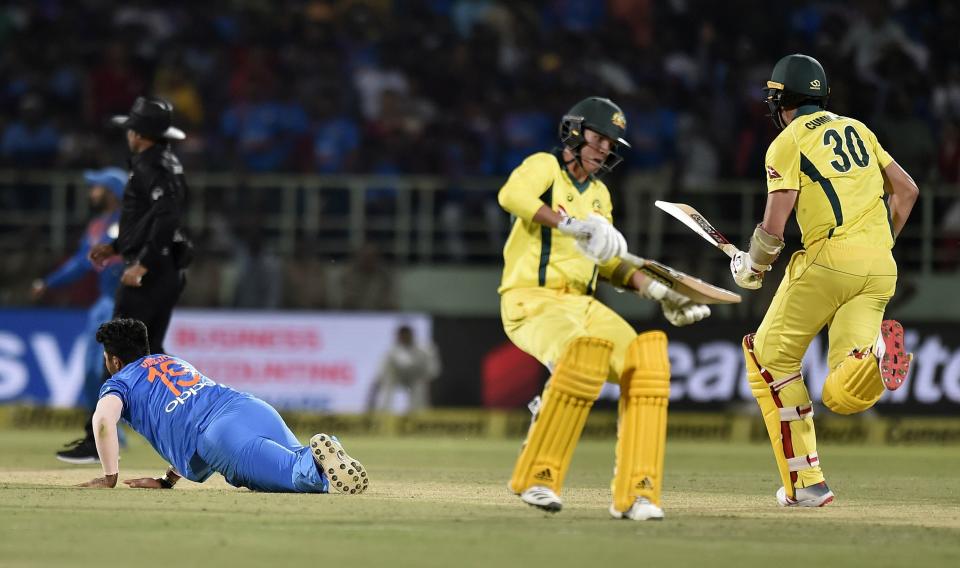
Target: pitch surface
444, 502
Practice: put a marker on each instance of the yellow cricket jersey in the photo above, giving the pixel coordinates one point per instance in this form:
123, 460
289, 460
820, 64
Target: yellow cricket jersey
538, 256
835, 162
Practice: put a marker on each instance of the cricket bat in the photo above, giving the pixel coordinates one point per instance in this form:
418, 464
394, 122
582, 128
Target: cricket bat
697, 290
693, 219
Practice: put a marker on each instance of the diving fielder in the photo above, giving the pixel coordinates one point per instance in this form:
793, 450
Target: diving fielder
201, 427
562, 240
852, 200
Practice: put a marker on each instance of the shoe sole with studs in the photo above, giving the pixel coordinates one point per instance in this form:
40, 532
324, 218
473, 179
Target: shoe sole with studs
344, 474
895, 363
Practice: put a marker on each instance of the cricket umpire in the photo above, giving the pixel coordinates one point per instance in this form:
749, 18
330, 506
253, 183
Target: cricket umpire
151, 238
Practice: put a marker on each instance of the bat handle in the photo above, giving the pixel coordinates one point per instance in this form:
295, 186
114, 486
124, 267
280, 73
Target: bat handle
636, 261
730, 249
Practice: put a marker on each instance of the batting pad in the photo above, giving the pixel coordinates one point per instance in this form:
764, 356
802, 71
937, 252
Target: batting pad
854, 385
642, 427
567, 399
788, 416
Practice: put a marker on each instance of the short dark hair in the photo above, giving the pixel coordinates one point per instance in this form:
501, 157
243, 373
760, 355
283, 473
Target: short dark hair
124, 338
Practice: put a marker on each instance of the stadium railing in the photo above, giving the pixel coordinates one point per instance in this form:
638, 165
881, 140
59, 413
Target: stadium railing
429, 219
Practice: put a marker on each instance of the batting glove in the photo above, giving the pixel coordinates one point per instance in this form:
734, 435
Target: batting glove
745, 272
677, 308
596, 238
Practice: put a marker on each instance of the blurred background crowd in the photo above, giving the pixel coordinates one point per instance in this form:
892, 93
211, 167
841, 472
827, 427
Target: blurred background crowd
465, 87
459, 89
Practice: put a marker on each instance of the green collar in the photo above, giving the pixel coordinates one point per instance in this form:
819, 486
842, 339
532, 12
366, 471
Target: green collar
806, 109
581, 186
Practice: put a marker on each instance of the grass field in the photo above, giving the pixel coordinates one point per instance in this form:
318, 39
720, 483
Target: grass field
443, 502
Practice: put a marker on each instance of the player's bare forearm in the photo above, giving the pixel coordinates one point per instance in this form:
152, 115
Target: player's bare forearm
547, 217
108, 447
779, 206
105, 433
903, 193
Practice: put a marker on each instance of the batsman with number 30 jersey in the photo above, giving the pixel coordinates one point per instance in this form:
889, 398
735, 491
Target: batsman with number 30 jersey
562, 240
201, 427
851, 200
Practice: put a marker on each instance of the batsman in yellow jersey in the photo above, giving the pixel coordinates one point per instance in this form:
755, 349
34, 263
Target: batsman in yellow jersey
561, 242
851, 200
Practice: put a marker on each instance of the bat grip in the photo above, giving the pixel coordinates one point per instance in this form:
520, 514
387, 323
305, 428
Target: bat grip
636, 261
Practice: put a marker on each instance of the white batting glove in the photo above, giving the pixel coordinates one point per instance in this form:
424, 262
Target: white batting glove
745, 272
677, 308
596, 238
575, 228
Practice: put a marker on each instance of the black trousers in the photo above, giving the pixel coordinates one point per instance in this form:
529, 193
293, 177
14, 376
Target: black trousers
153, 302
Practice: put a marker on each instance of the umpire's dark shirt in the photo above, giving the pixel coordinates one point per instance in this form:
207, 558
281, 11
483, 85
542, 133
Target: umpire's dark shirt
153, 202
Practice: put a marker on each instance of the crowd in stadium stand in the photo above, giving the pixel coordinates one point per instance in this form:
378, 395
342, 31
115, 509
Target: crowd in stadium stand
466, 87
458, 88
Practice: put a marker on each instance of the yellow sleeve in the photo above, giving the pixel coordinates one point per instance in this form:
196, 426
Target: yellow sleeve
521, 195
883, 157
783, 163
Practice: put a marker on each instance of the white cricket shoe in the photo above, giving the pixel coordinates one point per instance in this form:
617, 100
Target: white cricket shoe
344, 474
818, 495
542, 498
641, 510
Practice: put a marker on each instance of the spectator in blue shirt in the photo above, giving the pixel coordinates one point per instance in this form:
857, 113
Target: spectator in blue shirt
336, 138
264, 130
31, 141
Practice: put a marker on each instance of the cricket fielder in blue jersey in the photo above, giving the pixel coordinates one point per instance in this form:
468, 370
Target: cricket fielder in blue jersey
201, 427
106, 191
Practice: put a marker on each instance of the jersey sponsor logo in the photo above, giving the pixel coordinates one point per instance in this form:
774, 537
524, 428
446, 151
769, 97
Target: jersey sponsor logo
157, 193
569, 197
597, 205
815, 84
187, 394
773, 174
619, 120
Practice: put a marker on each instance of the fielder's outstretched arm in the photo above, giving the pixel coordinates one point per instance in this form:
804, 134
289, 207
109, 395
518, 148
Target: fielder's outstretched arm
108, 444
903, 192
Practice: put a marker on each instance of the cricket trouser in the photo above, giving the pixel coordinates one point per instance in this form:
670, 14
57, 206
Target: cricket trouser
153, 301
249, 443
542, 321
833, 283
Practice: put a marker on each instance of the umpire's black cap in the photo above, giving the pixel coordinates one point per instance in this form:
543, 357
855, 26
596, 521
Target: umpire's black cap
150, 117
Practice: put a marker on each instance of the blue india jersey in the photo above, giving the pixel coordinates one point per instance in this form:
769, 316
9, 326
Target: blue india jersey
170, 403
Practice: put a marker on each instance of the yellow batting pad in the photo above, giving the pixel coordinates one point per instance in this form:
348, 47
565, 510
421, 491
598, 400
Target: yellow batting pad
854, 385
788, 416
642, 429
567, 399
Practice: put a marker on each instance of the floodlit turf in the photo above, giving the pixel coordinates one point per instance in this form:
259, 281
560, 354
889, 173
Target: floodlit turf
443, 502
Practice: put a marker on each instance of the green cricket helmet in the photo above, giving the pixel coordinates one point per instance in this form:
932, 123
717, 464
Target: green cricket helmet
600, 115
796, 79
